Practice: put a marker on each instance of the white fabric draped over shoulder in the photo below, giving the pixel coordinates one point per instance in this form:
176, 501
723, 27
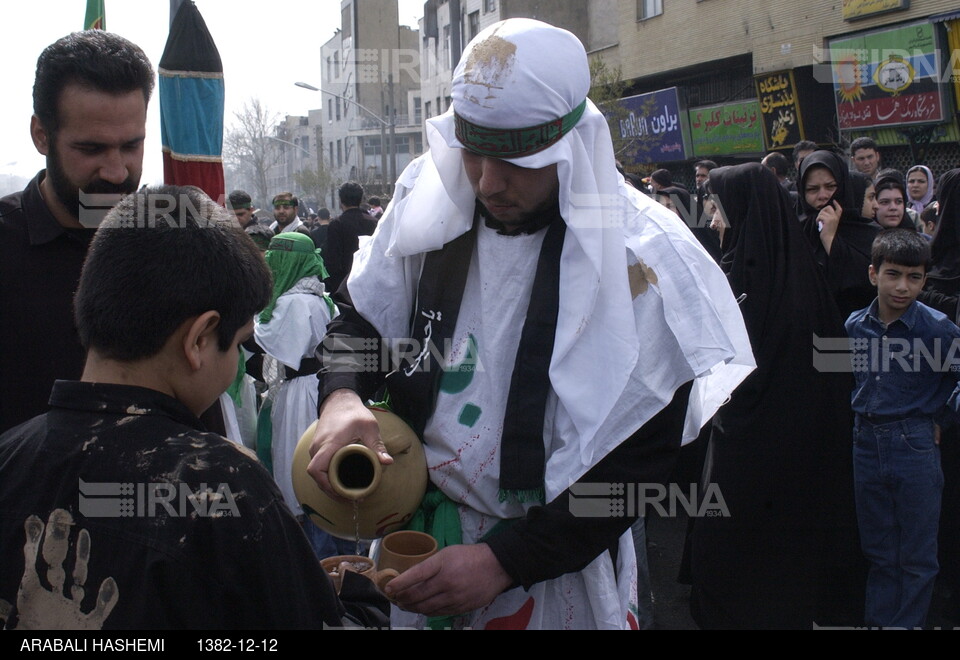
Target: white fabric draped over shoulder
643, 308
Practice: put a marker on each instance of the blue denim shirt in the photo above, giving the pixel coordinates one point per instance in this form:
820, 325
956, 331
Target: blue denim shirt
910, 368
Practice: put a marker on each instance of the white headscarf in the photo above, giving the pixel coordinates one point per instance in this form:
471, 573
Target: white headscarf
919, 204
522, 73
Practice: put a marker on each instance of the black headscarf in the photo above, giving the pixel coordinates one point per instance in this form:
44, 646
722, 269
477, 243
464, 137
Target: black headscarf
946, 240
679, 196
859, 182
845, 268
844, 195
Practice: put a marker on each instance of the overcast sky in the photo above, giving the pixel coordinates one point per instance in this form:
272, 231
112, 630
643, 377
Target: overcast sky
265, 46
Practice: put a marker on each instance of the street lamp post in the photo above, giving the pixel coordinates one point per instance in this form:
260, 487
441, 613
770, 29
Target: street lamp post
384, 125
292, 144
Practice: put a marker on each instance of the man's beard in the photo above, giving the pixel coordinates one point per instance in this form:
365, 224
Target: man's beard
527, 221
69, 194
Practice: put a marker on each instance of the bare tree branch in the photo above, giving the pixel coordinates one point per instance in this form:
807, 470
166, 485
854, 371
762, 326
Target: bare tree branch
246, 146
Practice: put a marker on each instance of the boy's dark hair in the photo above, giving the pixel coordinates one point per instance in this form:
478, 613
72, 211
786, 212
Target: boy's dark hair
324, 213
930, 214
862, 143
708, 164
160, 257
350, 193
902, 247
94, 59
374, 201
240, 199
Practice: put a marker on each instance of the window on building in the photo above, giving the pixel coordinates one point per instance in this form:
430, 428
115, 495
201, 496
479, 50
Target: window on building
649, 8
339, 153
448, 101
489, 6
371, 146
427, 110
417, 110
338, 108
305, 143
425, 63
331, 152
473, 25
446, 46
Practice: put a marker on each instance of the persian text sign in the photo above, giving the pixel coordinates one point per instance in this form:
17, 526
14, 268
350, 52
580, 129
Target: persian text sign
730, 128
779, 109
857, 9
887, 78
653, 123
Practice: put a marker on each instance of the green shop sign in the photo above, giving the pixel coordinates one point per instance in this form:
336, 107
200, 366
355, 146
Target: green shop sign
730, 128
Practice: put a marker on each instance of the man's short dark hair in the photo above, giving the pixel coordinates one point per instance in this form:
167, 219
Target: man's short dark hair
862, 143
374, 201
350, 193
930, 214
94, 59
778, 163
324, 213
903, 247
708, 164
286, 197
162, 256
239, 199
803, 145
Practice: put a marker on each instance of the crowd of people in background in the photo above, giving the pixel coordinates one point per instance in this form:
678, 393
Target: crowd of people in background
847, 209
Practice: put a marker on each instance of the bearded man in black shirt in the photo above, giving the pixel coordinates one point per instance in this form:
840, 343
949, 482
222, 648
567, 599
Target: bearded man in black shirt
90, 110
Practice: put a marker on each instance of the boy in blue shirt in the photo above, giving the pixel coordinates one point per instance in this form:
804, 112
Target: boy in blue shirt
906, 363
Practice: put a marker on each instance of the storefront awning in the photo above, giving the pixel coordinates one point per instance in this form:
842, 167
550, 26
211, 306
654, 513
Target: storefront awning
943, 18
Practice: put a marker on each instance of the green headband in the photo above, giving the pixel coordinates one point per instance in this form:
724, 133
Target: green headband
285, 244
515, 142
284, 202
241, 206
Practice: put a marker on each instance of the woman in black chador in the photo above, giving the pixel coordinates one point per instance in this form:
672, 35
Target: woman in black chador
833, 222
942, 292
787, 556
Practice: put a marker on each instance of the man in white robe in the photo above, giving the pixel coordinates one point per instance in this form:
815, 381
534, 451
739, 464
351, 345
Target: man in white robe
584, 318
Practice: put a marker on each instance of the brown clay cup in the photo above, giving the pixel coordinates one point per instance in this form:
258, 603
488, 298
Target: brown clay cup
401, 550
334, 567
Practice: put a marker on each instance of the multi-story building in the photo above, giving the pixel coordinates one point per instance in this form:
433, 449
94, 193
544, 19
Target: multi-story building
733, 79
370, 83
290, 146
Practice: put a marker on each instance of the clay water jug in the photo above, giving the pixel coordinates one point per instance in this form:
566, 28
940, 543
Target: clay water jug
381, 498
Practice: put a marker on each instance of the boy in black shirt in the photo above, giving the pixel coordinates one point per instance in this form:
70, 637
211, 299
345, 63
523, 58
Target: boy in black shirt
117, 509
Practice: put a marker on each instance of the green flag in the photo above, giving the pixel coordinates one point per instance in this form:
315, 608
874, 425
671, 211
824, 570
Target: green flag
96, 18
